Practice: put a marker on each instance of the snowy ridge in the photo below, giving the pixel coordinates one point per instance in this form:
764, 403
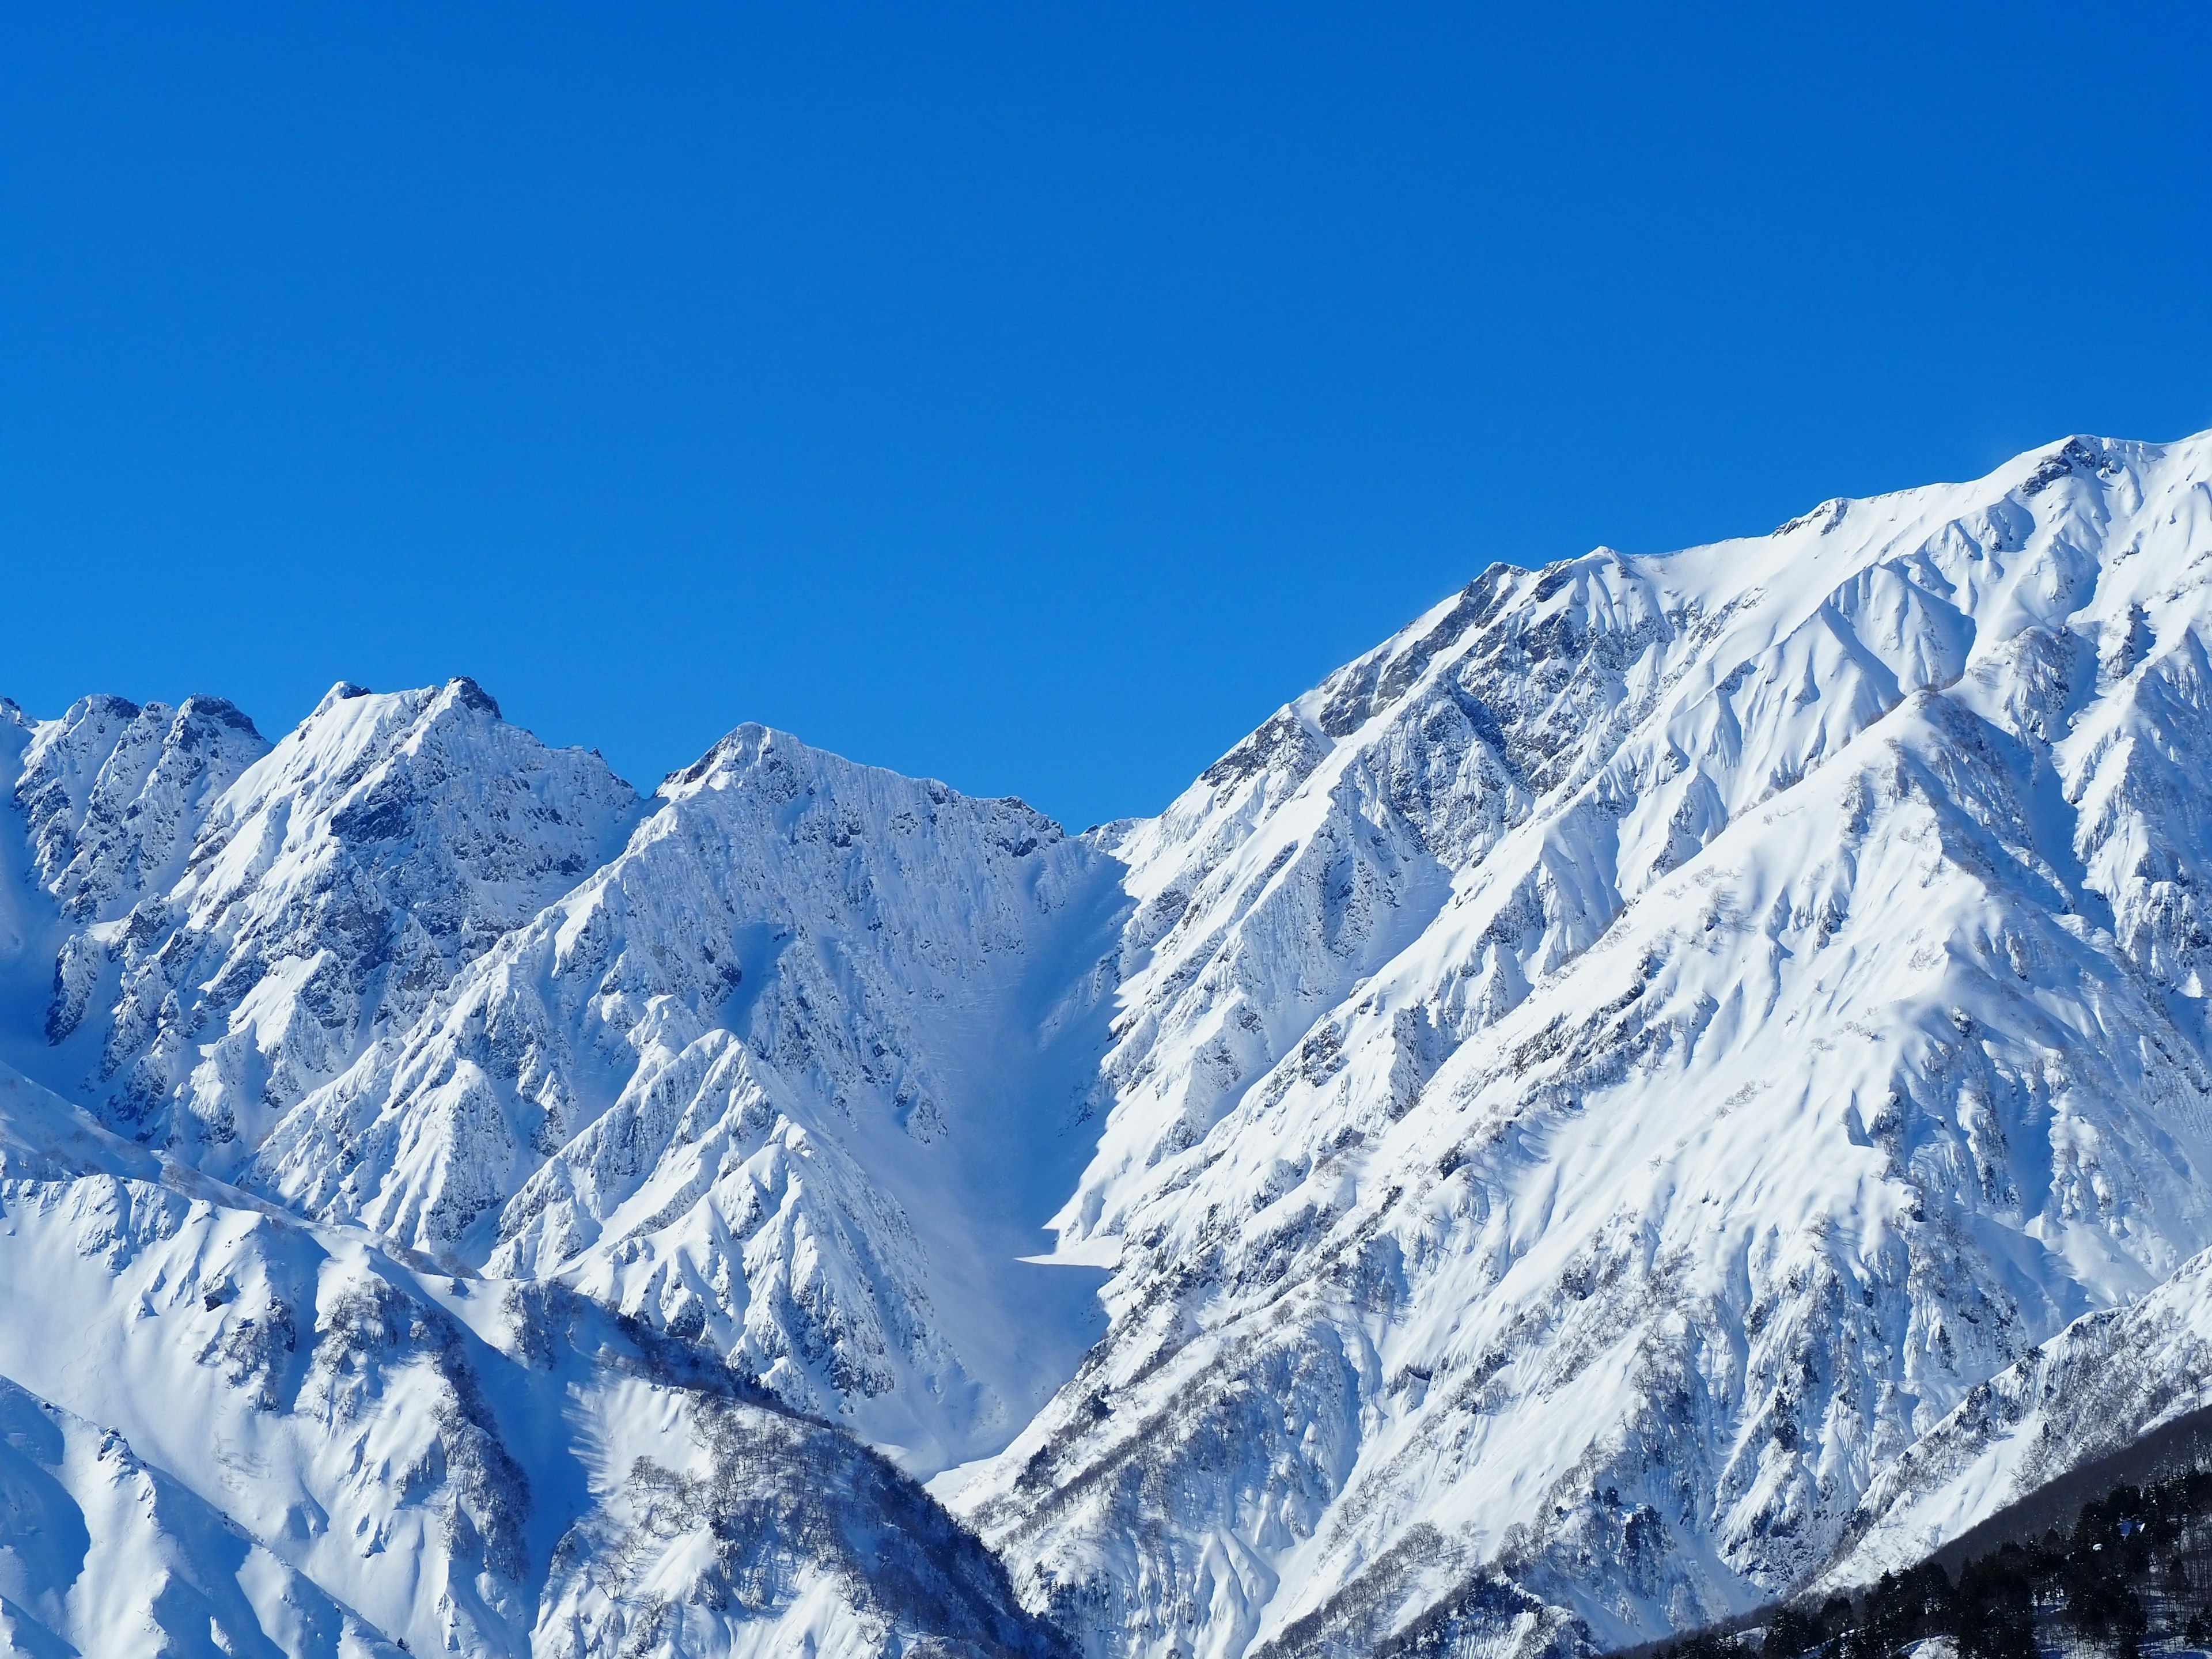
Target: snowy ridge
309, 1446
1668, 1078
232, 924
795, 1074
1604, 1072
2107, 1382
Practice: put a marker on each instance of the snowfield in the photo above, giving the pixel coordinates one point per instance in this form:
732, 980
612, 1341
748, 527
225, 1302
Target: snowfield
1672, 1079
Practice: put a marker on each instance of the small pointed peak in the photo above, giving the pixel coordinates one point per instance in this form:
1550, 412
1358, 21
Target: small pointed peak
740, 744
100, 705
216, 711
1827, 516
2082, 455
470, 695
344, 691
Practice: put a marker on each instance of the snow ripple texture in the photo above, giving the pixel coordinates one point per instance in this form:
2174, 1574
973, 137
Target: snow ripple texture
1610, 1108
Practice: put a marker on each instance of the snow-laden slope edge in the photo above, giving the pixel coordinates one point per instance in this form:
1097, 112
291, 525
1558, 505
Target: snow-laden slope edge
309, 1446
1604, 1072
2102, 1385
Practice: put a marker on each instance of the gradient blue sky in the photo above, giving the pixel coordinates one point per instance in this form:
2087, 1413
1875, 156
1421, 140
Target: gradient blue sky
1035, 397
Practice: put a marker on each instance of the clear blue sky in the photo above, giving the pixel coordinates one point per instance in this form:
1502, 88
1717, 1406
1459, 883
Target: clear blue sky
1034, 397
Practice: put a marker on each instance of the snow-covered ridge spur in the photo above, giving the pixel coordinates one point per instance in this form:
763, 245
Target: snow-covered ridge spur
1565, 1105
782, 1059
224, 1431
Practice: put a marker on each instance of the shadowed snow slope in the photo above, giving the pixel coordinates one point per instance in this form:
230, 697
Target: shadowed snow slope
1560, 1111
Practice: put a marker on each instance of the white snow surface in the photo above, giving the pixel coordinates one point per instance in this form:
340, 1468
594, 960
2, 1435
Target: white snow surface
223, 1430
222, 925
2098, 1387
1559, 1111
1601, 1075
798, 1074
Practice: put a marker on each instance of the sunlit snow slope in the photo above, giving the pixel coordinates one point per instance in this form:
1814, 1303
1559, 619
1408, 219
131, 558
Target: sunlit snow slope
1600, 1075
1560, 1113
225, 1432
207, 927
789, 1060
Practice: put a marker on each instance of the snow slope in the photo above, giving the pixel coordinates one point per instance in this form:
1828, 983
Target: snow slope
796, 1074
1560, 1112
2107, 1382
224, 1431
1604, 1072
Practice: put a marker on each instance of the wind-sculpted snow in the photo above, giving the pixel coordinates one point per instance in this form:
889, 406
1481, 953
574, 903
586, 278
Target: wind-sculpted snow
221, 1431
795, 1073
1602, 1075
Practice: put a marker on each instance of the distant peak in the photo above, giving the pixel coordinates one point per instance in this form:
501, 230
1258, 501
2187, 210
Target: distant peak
740, 744
102, 703
470, 695
219, 711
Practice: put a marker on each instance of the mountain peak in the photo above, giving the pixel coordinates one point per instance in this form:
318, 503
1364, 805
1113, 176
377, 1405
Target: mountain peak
470, 695
344, 691
1653, 1084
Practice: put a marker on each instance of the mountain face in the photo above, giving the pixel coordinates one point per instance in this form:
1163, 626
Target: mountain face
1604, 1073
1671, 1080
286, 1439
229, 925
2106, 1383
792, 1074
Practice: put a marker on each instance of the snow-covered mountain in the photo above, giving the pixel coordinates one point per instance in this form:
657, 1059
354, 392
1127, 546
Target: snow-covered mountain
1572, 1115
226, 1431
794, 1073
1604, 1072
224, 925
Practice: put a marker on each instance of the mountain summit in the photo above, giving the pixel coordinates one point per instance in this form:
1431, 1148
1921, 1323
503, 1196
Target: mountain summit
1567, 1132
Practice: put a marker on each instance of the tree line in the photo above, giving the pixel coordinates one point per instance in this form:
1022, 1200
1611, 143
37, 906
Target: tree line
2135, 1567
